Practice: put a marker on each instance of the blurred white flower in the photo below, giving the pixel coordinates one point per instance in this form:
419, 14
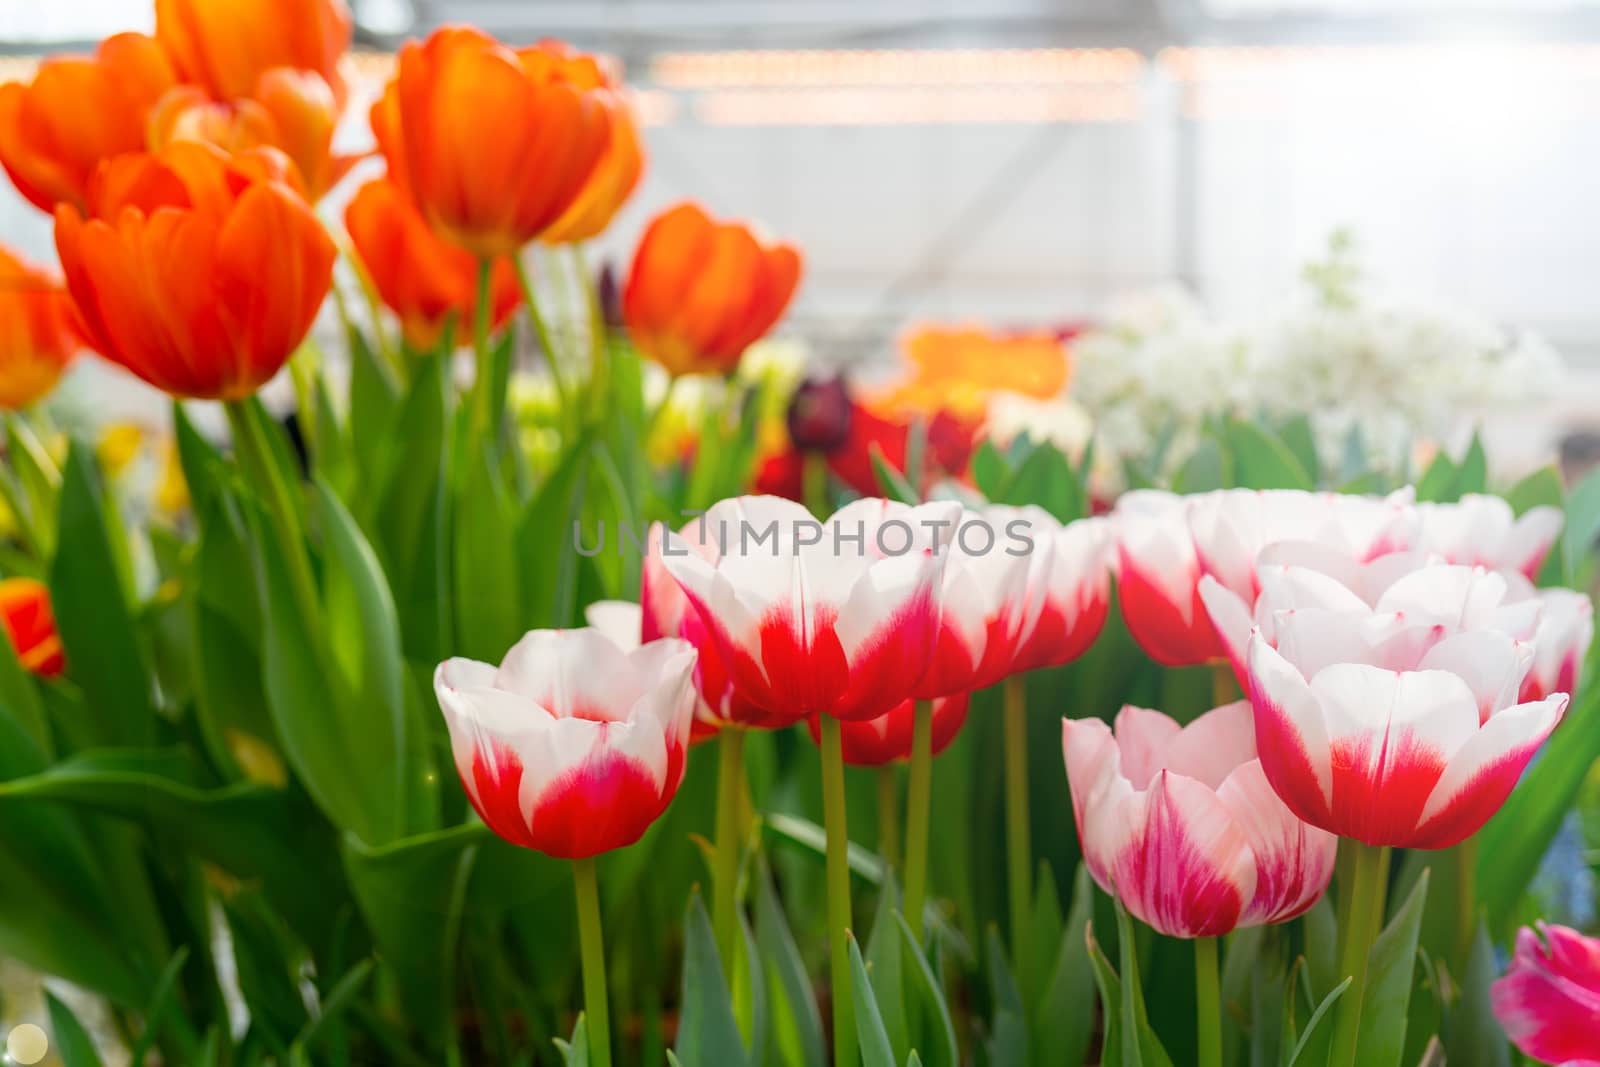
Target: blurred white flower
1347, 359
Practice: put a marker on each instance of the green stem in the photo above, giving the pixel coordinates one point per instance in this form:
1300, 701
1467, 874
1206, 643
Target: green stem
542, 330
1368, 885
725, 901
919, 792
599, 369
844, 1023
594, 963
1208, 1002
889, 816
483, 359
814, 474
1019, 850
391, 356
1465, 856
11, 500
256, 457
659, 410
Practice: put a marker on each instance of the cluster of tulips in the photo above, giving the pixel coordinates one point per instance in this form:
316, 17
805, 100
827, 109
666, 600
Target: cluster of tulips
1400, 666
183, 170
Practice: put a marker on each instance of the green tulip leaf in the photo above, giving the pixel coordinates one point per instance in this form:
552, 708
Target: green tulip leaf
876, 1051
411, 893
1064, 1020
797, 1024
942, 1049
708, 1031
89, 591
1318, 1031
1391, 967
68, 1037
1472, 1036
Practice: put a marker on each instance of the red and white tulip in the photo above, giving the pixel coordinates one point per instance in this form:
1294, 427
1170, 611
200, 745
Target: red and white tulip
887, 739
838, 618
1399, 724
1560, 642
1158, 575
994, 591
1230, 527
664, 611
1180, 824
1077, 595
571, 746
1549, 1000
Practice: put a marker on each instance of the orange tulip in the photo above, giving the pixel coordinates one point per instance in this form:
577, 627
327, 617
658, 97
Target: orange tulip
28, 622
36, 334
77, 111
614, 180
490, 189
291, 110
199, 272
227, 45
421, 277
700, 292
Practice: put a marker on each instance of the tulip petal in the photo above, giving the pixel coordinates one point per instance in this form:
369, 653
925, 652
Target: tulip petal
578, 674
1230, 615
1392, 735
1291, 736
1142, 739
1480, 776
1186, 868
621, 621
1492, 664
1293, 861
1211, 747
590, 787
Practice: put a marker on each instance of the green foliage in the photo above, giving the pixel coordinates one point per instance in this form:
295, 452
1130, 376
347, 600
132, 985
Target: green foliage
707, 1029
1391, 968
219, 754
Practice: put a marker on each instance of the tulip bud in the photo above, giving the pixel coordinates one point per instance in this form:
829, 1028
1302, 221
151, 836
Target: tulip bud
1547, 1001
819, 414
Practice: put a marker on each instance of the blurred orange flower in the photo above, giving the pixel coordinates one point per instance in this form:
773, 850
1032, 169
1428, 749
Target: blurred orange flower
617, 174
227, 45
199, 272
421, 277
77, 111
700, 291
30, 625
957, 369
36, 334
490, 189
292, 110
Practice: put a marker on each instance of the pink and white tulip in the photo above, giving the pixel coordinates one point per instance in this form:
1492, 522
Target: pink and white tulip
887, 739
1482, 531
838, 618
572, 746
1077, 595
1549, 1000
1180, 824
1398, 724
